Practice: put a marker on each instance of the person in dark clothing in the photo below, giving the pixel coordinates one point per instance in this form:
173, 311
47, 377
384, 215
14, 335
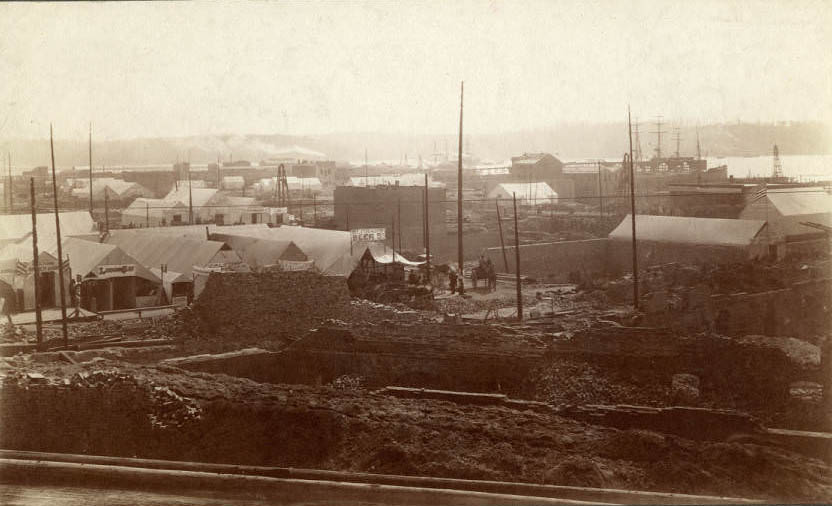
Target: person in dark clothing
452, 280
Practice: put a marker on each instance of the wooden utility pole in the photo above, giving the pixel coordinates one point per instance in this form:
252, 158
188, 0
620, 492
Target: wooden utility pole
106, 211
11, 184
393, 237
427, 228
633, 211
147, 214
500, 226
191, 198
35, 263
399, 219
315, 209
459, 198
58, 238
91, 169
600, 191
517, 260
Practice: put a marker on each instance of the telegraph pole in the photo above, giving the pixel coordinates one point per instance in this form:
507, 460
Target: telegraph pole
11, 185
35, 263
147, 214
191, 198
500, 226
58, 237
600, 191
106, 211
517, 260
105, 189
427, 228
399, 219
633, 210
459, 197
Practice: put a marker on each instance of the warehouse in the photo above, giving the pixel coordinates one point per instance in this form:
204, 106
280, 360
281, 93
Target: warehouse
785, 209
664, 239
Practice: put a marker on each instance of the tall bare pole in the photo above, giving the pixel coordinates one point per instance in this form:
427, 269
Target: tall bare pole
91, 169
58, 238
35, 263
633, 211
11, 184
427, 228
191, 198
517, 260
500, 227
600, 191
106, 211
459, 197
399, 220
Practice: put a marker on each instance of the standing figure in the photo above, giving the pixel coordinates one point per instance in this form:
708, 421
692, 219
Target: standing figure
492, 275
452, 279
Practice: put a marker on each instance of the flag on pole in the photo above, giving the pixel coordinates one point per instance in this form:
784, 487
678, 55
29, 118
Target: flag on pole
21, 268
760, 193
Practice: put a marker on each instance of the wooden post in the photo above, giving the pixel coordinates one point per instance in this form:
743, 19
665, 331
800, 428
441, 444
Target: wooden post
58, 238
517, 260
35, 263
399, 219
500, 227
427, 228
459, 218
11, 185
633, 211
315, 210
147, 214
106, 211
393, 237
191, 198
91, 169
600, 191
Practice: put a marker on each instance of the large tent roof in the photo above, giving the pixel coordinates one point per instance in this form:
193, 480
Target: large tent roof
86, 256
14, 227
257, 252
678, 229
329, 249
180, 254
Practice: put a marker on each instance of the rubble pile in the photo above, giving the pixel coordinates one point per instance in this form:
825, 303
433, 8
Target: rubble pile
348, 428
266, 309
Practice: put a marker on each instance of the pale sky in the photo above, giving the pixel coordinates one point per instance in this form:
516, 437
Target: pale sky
175, 69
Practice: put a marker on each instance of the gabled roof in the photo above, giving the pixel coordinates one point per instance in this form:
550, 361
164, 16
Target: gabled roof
257, 252
798, 201
86, 256
685, 230
330, 249
201, 196
14, 227
526, 191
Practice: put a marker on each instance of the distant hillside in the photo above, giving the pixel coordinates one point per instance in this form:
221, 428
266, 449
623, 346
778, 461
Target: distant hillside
568, 141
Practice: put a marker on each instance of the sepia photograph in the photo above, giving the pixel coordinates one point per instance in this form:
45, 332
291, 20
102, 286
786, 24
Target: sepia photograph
415, 252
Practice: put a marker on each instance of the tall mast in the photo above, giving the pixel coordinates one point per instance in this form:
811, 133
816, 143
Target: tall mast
459, 197
58, 238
